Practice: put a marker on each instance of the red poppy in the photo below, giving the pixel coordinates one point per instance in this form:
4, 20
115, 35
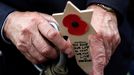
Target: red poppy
75, 25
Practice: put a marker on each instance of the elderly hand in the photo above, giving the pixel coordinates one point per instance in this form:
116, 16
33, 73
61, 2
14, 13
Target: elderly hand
104, 43
32, 33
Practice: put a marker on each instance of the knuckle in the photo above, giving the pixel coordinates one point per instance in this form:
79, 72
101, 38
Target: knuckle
66, 48
23, 43
27, 27
31, 15
21, 47
25, 30
101, 61
47, 49
42, 21
43, 49
52, 34
118, 38
25, 33
34, 17
34, 20
110, 34
41, 59
49, 53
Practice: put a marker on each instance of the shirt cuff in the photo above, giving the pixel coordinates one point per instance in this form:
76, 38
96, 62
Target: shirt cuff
5, 10
2, 33
118, 5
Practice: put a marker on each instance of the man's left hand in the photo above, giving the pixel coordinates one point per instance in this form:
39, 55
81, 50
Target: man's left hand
104, 42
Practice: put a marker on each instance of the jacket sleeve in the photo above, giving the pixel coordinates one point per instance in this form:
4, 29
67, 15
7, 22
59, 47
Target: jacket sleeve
5, 10
118, 5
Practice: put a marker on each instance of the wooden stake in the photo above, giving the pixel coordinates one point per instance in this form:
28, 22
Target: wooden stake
76, 25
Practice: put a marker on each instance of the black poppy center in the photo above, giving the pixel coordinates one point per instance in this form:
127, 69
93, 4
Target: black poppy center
75, 24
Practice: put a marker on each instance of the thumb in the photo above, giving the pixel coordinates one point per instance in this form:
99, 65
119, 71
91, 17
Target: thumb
97, 51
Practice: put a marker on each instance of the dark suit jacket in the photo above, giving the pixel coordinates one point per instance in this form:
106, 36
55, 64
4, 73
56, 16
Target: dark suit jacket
13, 63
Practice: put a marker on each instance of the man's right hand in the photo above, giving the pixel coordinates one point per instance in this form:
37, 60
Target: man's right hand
30, 32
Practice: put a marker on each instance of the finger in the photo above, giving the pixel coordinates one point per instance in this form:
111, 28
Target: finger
30, 58
70, 51
24, 47
30, 52
108, 50
116, 37
35, 54
107, 37
107, 32
97, 51
53, 35
43, 47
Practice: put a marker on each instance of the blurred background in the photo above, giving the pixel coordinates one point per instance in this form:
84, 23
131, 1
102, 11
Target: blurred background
131, 21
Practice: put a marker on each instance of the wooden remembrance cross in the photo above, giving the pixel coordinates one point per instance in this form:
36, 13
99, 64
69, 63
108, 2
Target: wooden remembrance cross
75, 24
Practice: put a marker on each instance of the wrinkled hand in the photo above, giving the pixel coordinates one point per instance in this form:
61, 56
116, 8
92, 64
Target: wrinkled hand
104, 43
30, 32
